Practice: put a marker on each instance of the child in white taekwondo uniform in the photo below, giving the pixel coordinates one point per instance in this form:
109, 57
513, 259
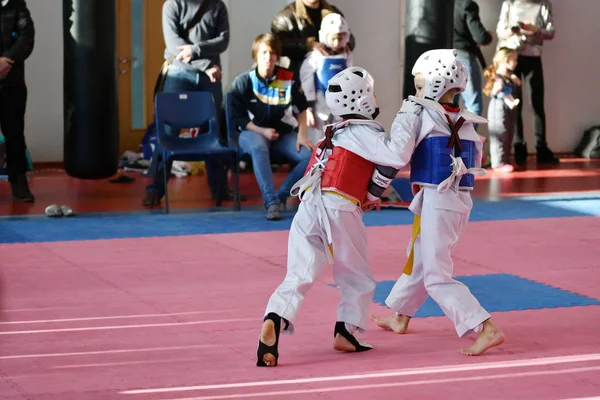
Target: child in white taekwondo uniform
317, 68
349, 170
447, 155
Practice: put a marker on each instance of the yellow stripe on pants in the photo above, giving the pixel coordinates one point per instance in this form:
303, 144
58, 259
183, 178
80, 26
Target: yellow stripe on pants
408, 267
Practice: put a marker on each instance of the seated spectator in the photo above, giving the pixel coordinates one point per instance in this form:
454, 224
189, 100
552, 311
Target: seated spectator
317, 69
264, 101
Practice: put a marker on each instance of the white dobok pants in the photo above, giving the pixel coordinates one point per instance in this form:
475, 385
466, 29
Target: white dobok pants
307, 256
444, 217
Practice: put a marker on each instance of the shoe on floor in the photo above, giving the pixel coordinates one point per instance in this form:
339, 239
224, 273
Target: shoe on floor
546, 156
520, 152
506, 168
53, 211
274, 212
149, 201
20, 190
67, 211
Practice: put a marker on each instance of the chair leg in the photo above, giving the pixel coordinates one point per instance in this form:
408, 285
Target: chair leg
221, 190
166, 187
155, 164
237, 196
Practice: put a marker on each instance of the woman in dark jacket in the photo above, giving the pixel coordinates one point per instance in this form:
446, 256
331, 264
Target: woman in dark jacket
297, 26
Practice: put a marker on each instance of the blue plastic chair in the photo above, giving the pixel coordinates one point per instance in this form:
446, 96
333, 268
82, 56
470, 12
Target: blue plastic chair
232, 132
190, 110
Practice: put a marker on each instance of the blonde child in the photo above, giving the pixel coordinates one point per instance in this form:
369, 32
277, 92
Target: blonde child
501, 84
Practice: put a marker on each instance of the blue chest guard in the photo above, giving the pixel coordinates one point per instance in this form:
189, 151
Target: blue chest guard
431, 162
330, 67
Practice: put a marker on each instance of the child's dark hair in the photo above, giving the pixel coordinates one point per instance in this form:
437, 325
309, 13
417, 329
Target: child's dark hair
490, 72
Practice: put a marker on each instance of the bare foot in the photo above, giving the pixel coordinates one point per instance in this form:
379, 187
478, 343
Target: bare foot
268, 337
489, 337
340, 343
396, 323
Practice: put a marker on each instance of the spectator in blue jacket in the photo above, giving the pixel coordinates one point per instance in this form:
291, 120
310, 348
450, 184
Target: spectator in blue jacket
265, 101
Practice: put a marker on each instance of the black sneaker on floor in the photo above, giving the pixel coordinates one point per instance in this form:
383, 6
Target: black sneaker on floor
149, 201
546, 156
520, 152
20, 190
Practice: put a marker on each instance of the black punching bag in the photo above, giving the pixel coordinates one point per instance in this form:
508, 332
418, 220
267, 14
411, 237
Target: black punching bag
91, 139
429, 25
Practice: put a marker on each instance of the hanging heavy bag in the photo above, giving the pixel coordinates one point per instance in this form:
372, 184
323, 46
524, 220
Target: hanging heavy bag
91, 123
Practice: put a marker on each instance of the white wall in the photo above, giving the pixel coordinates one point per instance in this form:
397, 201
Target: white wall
247, 20
571, 103
44, 75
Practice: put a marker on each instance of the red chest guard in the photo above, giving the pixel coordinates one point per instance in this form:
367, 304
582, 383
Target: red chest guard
345, 172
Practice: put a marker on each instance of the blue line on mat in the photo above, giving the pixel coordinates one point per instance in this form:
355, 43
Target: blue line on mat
153, 223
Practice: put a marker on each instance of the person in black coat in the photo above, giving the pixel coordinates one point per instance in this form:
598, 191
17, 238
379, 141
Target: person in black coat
17, 37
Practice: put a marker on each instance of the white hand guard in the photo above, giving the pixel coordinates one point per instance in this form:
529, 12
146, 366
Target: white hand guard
410, 107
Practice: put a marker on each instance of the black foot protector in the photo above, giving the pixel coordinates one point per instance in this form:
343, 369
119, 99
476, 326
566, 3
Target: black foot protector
340, 327
263, 348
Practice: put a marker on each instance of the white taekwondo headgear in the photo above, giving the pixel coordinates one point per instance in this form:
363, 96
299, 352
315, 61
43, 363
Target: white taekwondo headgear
441, 71
334, 23
351, 91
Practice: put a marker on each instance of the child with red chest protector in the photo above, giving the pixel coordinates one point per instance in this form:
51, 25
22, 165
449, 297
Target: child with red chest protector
349, 170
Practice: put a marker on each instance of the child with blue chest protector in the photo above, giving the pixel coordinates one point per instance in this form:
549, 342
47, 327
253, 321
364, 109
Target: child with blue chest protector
318, 68
446, 156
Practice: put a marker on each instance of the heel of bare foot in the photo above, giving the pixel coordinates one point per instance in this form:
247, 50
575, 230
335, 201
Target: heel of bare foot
343, 340
396, 323
489, 337
268, 352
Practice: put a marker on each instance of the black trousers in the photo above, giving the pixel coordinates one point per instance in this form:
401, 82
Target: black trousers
531, 73
13, 101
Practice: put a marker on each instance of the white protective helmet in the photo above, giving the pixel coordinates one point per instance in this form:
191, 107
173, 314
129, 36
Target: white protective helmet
332, 24
351, 91
442, 72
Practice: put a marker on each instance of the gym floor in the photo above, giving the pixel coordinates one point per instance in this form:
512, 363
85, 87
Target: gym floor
125, 303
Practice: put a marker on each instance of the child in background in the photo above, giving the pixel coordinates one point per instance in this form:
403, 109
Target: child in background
318, 68
500, 86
